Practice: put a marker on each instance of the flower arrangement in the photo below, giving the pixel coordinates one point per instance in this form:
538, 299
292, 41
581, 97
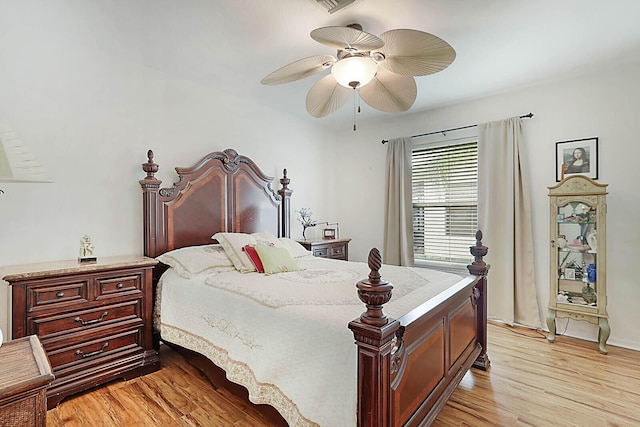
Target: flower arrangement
304, 218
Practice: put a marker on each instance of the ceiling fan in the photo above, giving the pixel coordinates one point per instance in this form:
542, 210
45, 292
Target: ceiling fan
381, 69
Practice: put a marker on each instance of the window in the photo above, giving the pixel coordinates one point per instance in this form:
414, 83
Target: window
445, 204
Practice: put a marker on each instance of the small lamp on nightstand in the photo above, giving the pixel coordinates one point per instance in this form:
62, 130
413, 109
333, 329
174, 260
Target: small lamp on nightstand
17, 162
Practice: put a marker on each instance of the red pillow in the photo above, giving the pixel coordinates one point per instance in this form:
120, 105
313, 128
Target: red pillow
253, 256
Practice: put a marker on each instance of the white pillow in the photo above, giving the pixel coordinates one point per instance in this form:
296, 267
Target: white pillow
266, 238
295, 249
234, 242
195, 260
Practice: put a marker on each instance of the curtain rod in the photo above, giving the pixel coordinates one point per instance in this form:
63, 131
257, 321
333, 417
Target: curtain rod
526, 116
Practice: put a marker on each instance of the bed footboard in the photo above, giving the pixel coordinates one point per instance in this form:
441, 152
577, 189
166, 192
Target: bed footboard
409, 367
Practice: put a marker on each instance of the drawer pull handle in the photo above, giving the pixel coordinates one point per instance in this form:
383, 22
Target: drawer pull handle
93, 353
60, 294
91, 322
119, 286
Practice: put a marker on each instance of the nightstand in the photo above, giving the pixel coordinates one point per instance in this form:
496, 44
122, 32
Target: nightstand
24, 375
328, 248
94, 320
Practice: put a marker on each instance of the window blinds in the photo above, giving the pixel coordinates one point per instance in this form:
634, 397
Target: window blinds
445, 199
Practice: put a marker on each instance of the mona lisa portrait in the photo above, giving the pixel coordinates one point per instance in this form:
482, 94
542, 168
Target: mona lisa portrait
577, 157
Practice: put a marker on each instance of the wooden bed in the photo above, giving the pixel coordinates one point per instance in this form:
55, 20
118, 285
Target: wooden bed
407, 367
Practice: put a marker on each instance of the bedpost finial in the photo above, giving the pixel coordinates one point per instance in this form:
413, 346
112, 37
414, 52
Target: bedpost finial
375, 262
150, 156
478, 267
374, 292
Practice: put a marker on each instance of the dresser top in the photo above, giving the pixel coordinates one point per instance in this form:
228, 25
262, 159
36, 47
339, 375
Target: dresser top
23, 366
314, 242
59, 268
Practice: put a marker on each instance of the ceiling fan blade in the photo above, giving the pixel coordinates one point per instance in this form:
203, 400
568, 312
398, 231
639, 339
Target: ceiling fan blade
390, 92
415, 53
326, 96
346, 38
299, 69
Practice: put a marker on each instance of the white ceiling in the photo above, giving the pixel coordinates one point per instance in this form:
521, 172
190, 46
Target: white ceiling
500, 44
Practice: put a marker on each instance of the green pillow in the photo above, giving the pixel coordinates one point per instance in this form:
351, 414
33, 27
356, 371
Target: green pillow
276, 260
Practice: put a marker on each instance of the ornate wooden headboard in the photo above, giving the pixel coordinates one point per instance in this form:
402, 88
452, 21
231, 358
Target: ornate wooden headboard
224, 191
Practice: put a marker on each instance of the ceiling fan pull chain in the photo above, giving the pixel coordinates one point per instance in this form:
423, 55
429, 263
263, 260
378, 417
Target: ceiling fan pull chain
354, 109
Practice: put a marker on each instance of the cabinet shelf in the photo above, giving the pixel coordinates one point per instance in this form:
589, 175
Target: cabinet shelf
577, 249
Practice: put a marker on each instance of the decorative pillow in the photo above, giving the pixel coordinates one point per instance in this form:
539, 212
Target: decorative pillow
295, 249
254, 257
275, 259
194, 260
234, 242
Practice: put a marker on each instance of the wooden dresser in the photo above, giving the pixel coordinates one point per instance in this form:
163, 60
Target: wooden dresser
328, 248
24, 375
94, 320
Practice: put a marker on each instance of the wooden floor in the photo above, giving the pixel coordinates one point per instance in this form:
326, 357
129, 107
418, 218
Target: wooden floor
530, 383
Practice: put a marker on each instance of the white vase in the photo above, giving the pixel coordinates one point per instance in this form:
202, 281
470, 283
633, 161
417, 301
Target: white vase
592, 241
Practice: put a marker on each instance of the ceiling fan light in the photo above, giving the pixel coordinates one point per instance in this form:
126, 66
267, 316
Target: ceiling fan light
354, 71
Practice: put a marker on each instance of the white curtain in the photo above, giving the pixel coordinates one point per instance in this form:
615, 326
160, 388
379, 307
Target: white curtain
398, 224
504, 216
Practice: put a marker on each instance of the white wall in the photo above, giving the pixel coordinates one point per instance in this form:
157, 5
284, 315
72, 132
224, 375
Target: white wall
601, 104
75, 86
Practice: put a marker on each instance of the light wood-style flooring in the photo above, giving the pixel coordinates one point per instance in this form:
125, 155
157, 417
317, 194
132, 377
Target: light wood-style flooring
530, 383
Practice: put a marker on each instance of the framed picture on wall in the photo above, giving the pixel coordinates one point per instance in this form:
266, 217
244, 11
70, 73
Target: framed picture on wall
577, 157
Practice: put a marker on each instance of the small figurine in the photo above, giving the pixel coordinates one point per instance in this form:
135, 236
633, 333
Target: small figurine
592, 241
562, 241
86, 250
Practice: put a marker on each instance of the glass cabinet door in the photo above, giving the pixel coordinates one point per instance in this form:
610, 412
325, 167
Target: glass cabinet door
577, 246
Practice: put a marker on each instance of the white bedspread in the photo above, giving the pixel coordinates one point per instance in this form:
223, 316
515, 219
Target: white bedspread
285, 337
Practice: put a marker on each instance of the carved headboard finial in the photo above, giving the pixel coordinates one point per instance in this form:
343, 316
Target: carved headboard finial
284, 181
374, 292
150, 183
150, 167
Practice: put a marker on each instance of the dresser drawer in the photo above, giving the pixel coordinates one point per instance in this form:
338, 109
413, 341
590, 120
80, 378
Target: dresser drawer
321, 252
337, 251
84, 320
111, 287
57, 295
328, 248
79, 356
